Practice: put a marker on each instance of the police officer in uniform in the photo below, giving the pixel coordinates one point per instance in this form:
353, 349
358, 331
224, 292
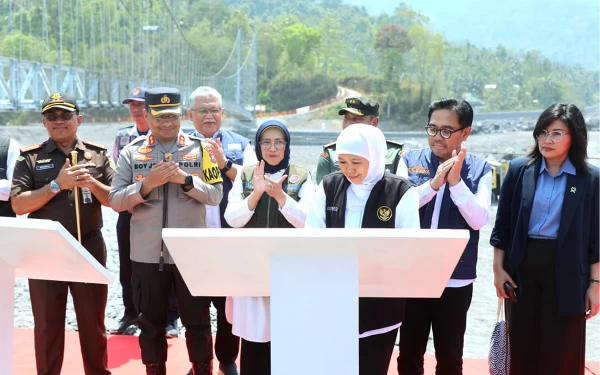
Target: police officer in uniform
43, 186
128, 323
166, 180
9, 152
359, 110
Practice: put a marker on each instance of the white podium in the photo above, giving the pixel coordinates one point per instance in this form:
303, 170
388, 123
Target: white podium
314, 278
38, 249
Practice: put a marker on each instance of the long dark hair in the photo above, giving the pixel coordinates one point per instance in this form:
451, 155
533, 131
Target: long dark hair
572, 116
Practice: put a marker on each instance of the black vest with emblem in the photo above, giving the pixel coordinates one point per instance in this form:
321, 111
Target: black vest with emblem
380, 212
266, 212
5, 208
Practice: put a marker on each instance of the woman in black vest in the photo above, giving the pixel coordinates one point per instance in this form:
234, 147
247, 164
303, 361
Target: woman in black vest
270, 194
363, 195
546, 246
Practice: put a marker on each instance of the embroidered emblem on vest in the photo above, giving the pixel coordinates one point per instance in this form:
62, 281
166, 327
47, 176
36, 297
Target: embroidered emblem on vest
384, 213
294, 178
334, 209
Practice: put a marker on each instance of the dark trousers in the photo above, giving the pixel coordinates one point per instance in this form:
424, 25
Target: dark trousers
375, 353
255, 358
447, 318
542, 341
227, 345
49, 305
124, 242
151, 289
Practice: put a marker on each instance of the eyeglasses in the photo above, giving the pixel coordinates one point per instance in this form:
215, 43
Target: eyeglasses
65, 116
555, 136
166, 118
266, 145
204, 112
445, 133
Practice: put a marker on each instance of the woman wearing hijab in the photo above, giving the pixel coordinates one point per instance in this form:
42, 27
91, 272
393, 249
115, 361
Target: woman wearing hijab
546, 246
360, 190
271, 194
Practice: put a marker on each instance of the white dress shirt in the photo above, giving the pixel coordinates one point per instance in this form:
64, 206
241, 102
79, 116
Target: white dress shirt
13, 154
474, 208
251, 316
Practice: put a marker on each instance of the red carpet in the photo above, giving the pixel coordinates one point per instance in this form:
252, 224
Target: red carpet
124, 357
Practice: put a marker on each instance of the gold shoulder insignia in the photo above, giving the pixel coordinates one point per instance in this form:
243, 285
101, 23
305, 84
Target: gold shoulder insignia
395, 143
329, 145
29, 148
93, 144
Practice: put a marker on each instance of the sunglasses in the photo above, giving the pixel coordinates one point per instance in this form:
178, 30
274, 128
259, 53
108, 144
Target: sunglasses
65, 116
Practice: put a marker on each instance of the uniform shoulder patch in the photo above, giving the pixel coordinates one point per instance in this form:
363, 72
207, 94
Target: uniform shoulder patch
394, 143
30, 148
138, 139
94, 144
329, 145
324, 155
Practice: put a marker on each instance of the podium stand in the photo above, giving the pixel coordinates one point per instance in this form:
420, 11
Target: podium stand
314, 278
38, 249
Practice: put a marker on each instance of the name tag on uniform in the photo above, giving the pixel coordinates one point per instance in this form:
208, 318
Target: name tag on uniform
124, 140
44, 166
234, 146
86, 195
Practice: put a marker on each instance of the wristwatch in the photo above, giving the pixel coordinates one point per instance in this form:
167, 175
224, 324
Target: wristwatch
228, 165
188, 184
54, 187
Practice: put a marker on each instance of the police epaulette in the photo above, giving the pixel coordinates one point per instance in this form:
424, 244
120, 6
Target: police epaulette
196, 138
93, 144
29, 148
329, 145
395, 142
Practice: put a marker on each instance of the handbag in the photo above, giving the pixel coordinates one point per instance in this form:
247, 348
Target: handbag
499, 355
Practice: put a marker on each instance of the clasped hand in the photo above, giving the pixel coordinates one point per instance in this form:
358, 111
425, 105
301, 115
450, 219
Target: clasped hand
449, 171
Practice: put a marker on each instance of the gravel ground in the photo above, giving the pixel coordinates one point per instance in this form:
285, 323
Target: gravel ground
481, 314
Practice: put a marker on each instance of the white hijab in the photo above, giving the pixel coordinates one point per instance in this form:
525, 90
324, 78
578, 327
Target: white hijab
368, 142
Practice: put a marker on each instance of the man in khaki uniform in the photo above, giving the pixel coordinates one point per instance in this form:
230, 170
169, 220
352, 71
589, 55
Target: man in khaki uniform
166, 180
359, 110
43, 186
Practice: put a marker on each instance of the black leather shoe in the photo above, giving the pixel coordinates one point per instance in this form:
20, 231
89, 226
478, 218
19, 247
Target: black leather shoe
127, 326
171, 330
230, 369
156, 369
202, 368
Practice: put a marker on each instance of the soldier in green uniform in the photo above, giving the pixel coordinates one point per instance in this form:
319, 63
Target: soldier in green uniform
359, 110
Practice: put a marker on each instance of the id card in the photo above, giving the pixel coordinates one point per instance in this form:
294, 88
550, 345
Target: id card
86, 195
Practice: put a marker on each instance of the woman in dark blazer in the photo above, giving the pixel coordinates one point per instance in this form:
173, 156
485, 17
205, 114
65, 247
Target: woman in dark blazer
546, 246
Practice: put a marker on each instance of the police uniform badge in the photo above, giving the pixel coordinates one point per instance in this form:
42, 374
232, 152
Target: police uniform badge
384, 213
168, 157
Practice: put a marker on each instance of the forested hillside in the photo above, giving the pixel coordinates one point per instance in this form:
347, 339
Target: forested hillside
308, 47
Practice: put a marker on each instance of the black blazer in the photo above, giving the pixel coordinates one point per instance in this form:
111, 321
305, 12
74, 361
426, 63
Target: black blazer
578, 244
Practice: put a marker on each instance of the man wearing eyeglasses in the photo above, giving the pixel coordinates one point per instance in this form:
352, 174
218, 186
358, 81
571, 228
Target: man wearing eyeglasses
166, 179
232, 151
358, 110
42, 186
455, 193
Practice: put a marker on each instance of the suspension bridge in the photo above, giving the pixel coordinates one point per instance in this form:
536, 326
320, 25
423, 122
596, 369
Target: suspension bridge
98, 50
